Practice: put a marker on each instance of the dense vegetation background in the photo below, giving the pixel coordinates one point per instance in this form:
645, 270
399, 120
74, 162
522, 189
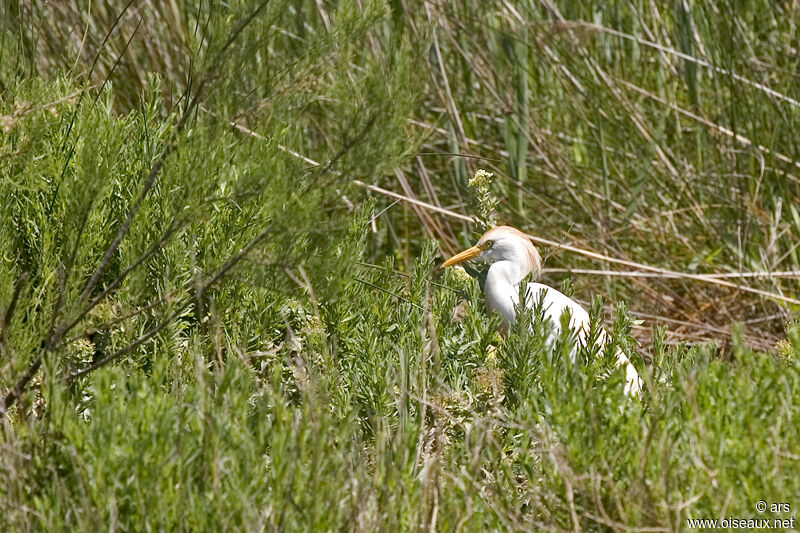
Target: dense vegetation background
219, 225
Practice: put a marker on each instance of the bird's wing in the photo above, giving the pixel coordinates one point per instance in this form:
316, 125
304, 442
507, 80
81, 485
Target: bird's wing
554, 303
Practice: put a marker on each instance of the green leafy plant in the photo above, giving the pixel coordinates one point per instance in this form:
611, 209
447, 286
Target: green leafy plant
219, 306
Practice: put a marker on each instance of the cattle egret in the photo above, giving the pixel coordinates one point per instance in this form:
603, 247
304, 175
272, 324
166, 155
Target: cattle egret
512, 257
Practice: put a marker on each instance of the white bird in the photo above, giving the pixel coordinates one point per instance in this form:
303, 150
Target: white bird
512, 257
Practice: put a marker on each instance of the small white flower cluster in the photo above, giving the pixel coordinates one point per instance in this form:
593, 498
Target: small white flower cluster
481, 180
460, 275
486, 202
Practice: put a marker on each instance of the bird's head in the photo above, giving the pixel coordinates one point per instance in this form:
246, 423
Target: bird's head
502, 243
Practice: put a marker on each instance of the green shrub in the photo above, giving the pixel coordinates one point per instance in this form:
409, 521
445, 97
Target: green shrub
205, 324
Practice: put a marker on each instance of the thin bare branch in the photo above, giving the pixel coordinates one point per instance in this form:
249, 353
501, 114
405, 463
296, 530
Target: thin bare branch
148, 184
170, 231
12, 305
792, 274
161, 325
168, 149
16, 391
593, 255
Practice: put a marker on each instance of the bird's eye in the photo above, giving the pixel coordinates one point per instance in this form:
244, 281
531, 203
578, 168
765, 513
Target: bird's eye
489, 244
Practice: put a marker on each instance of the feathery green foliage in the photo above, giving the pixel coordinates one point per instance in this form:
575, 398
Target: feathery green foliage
206, 323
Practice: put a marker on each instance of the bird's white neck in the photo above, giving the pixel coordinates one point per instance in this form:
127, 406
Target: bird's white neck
502, 289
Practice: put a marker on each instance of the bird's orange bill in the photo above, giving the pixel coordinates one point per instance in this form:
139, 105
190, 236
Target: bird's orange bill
466, 255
